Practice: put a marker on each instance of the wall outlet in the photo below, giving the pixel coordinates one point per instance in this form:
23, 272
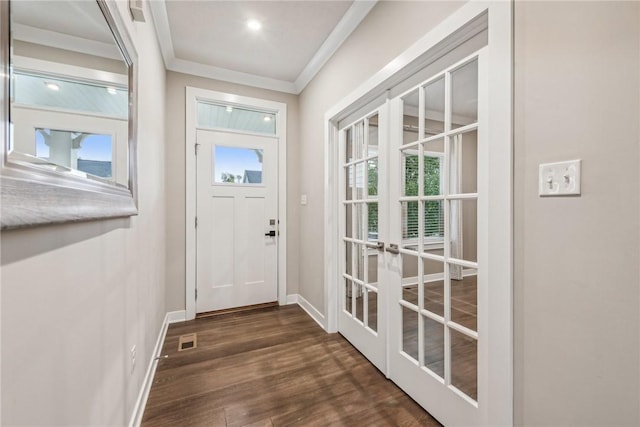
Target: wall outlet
133, 358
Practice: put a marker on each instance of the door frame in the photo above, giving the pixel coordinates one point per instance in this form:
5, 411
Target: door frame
193, 95
497, 19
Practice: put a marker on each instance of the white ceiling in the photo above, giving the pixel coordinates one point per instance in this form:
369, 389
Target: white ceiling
211, 39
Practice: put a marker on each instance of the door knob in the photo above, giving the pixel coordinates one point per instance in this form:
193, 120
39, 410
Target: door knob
393, 249
271, 233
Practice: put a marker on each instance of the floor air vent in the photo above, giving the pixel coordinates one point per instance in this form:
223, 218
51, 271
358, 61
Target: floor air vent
187, 342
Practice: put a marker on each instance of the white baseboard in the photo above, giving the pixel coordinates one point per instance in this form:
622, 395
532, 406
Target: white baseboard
311, 311
141, 402
292, 299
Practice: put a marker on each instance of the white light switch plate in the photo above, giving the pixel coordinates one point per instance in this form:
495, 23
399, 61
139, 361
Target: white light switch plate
303, 199
559, 179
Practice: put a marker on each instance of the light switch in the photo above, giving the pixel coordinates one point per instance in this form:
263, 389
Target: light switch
303, 200
559, 179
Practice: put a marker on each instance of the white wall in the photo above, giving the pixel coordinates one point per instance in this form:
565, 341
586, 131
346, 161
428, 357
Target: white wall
175, 178
77, 297
577, 93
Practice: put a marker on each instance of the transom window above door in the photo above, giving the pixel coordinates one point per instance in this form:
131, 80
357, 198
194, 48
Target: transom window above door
230, 117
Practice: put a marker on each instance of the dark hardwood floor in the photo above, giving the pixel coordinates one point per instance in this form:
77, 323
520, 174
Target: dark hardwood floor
272, 367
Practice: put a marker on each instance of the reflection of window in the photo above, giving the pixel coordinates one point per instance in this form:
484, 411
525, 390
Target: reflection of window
87, 152
433, 209
238, 165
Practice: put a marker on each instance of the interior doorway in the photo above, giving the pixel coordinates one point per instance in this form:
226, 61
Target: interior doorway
421, 202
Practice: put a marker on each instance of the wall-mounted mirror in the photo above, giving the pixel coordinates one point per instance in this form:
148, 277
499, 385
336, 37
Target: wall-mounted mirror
68, 111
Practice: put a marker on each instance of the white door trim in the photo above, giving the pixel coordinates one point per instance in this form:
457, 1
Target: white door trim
498, 16
280, 110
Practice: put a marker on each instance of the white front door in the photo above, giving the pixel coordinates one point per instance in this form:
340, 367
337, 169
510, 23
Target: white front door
237, 221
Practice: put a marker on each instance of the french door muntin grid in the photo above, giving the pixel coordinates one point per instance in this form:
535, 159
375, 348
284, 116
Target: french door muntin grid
452, 145
358, 159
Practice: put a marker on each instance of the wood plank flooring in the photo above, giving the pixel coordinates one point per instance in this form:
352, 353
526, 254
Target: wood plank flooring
272, 367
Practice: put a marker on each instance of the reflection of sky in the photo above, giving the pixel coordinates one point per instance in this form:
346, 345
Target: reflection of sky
235, 161
94, 147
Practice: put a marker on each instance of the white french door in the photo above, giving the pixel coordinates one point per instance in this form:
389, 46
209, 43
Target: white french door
361, 319
414, 178
438, 353
237, 211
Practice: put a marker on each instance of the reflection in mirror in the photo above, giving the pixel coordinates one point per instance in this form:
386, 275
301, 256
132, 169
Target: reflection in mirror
69, 124
69, 93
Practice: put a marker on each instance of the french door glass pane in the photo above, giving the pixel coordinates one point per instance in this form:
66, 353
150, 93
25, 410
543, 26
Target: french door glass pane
464, 300
372, 171
372, 149
464, 363
410, 278
410, 172
433, 286
372, 278
464, 95
359, 267
410, 332
411, 106
358, 140
359, 221
360, 181
433, 341
463, 163
348, 145
463, 228
372, 310
348, 220
349, 183
433, 221
432, 175
409, 225
348, 249
347, 295
359, 296
372, 221
434, 108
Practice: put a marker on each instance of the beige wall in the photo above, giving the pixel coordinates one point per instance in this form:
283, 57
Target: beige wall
576, 258
77, 297
365, 52
175, 178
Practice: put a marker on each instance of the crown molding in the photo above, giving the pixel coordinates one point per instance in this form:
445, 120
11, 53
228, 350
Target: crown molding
349, 22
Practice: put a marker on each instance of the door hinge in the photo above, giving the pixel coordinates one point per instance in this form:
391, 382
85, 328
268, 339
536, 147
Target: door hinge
196, 148
196, 222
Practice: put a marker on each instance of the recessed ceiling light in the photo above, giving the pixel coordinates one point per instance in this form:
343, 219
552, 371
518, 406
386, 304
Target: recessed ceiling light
254, 24
229, 109
52, 86
267, 118
112, 90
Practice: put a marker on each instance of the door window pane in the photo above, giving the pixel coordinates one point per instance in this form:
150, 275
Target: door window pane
434, 108
410, 278
410, 332
433, 345
372, 149
463, 231
237, 165
463, 163
359, 298
215, 116
464, 363
372, 170
464, 95
410, 225
372, 219
464, 300
433, 286
372, 310
410, 172
410, 110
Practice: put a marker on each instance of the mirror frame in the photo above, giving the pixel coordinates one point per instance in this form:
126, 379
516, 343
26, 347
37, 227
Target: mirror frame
32, 196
